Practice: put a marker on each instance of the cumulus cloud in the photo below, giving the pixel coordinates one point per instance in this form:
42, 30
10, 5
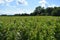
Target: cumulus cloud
24, 2
43, 2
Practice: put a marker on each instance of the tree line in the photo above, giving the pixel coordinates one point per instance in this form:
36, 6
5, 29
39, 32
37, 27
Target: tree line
41, 11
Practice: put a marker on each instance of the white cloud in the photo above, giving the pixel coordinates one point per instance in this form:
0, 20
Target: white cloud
43, 3
22, 2
1, 1
17, 11
12, 12
0, 11
28, 11
8, 0
53, 5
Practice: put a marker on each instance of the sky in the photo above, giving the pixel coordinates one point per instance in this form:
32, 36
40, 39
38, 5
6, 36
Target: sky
11, 7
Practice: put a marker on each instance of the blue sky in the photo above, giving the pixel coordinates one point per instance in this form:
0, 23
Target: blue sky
24, 6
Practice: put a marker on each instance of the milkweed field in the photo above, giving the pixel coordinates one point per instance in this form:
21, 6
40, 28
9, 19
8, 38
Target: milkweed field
29, 28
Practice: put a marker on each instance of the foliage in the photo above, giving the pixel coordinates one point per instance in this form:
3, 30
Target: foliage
49, 11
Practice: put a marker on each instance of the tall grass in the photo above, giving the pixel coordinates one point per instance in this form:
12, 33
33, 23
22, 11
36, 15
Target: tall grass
30, 28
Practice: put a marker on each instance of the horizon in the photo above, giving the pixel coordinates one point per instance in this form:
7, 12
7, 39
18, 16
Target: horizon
11, 7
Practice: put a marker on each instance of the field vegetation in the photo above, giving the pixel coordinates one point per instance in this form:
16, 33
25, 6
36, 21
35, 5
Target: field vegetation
29, 28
